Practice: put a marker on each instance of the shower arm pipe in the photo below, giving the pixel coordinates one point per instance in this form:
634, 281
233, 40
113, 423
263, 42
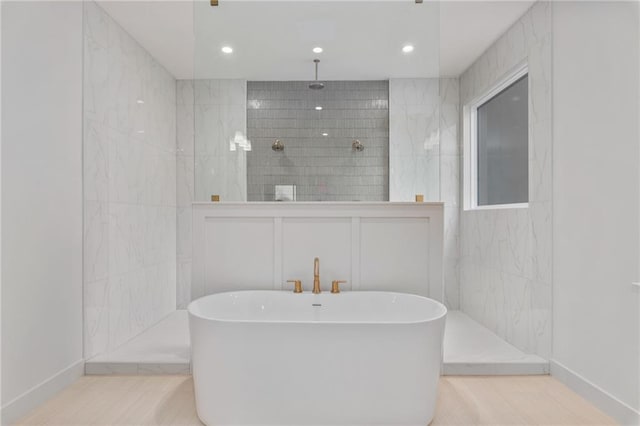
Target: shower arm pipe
316, 85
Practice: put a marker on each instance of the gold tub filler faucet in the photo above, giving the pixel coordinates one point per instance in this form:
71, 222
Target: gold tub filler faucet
335, 285
316, 276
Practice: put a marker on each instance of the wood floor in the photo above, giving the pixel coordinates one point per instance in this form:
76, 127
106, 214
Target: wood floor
168, 400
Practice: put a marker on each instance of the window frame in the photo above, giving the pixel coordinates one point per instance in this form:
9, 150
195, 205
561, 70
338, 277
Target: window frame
470, 138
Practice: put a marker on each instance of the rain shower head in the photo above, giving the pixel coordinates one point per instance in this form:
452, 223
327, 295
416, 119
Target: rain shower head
316, 85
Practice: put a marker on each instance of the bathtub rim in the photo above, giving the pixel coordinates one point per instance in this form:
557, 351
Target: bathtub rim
440, 316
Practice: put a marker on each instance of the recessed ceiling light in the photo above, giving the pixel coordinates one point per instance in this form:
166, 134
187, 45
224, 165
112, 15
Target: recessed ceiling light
318, 108
140, 101
317, 50
407, 48
227, 49
325, 134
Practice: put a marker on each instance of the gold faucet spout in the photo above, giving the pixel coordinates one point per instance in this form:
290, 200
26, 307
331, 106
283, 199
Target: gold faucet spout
316, 276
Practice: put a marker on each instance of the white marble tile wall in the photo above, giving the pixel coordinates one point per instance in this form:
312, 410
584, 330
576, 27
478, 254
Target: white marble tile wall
414, 139
185, 188
208, 113
129, 185
450, 157
424, 156
220, 111
505, 255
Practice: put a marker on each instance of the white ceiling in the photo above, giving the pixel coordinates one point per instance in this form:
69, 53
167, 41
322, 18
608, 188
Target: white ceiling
272, 40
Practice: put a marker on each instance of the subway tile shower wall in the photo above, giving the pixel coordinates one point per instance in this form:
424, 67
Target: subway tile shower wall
323, 168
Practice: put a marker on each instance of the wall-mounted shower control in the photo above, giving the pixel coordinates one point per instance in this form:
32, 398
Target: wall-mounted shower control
277, 145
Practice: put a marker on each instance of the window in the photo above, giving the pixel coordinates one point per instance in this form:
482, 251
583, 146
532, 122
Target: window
497, 146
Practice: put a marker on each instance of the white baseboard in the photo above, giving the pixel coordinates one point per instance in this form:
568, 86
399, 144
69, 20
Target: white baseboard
40, 393
621, 412
494, 368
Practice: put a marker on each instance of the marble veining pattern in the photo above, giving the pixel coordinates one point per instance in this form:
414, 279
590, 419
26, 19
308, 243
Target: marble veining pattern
414, 139
424, 157
129, 185
220, 111
208, 113
185, 188
505, 255
449, 94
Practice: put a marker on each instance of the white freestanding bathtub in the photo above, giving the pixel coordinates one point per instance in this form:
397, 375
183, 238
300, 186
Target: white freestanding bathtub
279, 358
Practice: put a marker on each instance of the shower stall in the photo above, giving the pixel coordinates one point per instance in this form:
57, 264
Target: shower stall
382, 120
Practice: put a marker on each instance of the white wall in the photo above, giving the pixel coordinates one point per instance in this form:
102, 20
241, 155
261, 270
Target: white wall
129, 185
505, 254
41, 201
595, 202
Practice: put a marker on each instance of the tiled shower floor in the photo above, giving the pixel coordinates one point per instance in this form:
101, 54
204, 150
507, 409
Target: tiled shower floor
469, 348
161, 349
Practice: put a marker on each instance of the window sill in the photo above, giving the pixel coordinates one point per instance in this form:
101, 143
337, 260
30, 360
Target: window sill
499, 207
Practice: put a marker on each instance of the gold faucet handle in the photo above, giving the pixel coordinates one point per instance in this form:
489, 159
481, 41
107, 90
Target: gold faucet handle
335, 286
297, 285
